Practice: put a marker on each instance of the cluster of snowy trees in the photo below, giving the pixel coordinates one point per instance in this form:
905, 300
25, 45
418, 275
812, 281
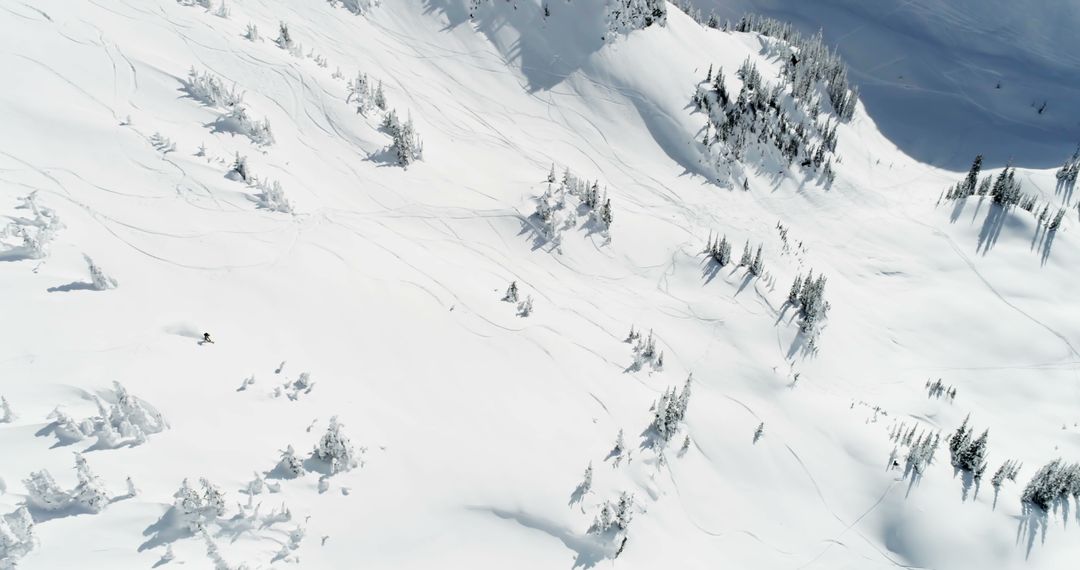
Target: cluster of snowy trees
921, 448
222, 10
407, 145
357, 7
210, 90
127, 420
1069, 171
199, 508
968, 453
89, 494
645, 351
808, 294
291, 389
559, 206
808, 64
1005, 190
765, 115
270, 195
28, 238
162, 143
16, 537
614, 516
719, 249
251, 32
286, 42
201, 512
669, 411
334, 449
366, 97
235, 117
1053, 483
524, 306
1008, 471
937, 389
625, 16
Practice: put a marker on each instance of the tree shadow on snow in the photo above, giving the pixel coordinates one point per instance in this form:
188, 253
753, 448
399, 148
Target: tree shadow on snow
967, 484
50, 430
957, 209
710, 269
228, 125
73, 286
384, 157
746, 281
530, 227
1047, 243
547, 50
802, 344
783, 313
1065, 188
578, 494
316, 465
41, 515
166, 530
991, 228
17, 253
1033, 522
589, 551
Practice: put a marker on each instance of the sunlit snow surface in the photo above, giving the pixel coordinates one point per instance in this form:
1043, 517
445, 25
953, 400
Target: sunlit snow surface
472, 426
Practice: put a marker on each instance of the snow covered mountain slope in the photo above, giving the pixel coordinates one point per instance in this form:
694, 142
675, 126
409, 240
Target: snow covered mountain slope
372, 293
947, 80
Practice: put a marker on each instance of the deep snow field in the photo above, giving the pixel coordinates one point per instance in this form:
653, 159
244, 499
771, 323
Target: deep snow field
472, 424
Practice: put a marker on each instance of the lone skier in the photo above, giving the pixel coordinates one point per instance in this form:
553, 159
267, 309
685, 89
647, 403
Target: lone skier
206, 338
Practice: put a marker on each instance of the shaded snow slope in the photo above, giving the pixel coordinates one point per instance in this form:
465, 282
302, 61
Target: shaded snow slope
929, 72
385, 285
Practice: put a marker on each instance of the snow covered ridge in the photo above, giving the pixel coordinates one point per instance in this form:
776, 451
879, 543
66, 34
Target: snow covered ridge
528, 338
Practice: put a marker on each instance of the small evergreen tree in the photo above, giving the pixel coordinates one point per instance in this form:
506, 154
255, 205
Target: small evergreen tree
289, 464
722, 254
525, 308
606, 215
240, 167
586, 480
758, 265
972, 176
969, 454
284, 39
6, 414
335, 448
620, 445
793, 293
380, 97
512, 293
